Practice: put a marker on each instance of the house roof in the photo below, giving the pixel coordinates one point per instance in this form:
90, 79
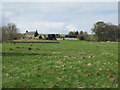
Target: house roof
30, 33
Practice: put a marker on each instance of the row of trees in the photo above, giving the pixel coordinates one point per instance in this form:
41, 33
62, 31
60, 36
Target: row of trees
83, 36
101, 32
106, 31
73, 33
9, 32
80, 35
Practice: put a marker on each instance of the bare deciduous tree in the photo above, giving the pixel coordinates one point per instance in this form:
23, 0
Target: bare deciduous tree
9, 32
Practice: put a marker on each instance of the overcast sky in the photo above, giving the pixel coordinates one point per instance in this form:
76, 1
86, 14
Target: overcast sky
58, 17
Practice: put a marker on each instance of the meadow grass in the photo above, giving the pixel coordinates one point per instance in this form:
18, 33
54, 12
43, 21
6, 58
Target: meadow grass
68, 64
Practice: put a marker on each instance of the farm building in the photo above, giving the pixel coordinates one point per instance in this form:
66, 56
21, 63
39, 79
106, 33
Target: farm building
31, 35
71, 36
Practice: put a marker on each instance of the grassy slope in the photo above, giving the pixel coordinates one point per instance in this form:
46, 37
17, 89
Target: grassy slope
72, 64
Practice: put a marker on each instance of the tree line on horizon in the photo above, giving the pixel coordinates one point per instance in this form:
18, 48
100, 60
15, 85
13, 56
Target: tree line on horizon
106, 31
101, 32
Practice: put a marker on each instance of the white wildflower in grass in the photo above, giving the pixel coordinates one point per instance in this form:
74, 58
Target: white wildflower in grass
104, 63
108, 76
82, 53
89, 64
56, 52
92, 55
89, 56
78, 70
7, 75
98, 62
66, 56
3, 67
53, 52
79, 61
71, 66
112, 54
62, 65
100, 69
74, 57
107, 86
103, 66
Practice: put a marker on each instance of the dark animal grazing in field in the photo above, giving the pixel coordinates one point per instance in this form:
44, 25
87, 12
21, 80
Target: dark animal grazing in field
29, 48
11, 49
14, 43
23, 80
97, 74
97, 46
83, 57
17, 47
91, 56
30, 45
37, 48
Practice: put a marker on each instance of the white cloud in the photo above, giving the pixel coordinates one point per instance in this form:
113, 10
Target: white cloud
42, 27
72, 28
53, 17
9, 12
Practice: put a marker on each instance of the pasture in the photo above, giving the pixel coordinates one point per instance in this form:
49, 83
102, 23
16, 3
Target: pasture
68, 64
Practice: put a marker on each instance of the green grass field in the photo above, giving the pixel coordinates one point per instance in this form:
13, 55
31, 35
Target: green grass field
68, 64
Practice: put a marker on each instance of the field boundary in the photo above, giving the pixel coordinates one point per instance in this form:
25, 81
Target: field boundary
35, 42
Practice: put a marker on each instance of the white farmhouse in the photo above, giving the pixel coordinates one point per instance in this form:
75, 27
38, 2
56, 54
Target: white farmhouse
31, 35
